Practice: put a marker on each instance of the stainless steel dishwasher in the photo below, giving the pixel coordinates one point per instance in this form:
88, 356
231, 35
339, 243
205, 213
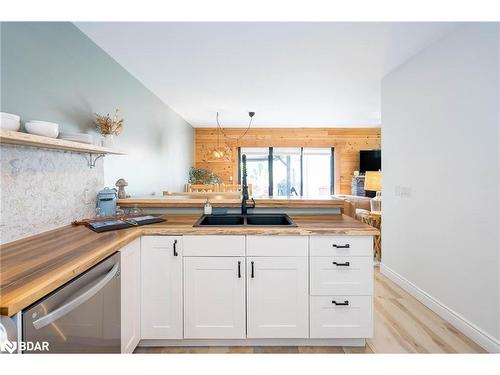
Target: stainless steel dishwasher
82, 316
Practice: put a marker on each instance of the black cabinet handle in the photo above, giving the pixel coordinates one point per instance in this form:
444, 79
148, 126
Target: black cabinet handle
346, 264
345, 303
175, 248
239, 270
346, 246
252, 274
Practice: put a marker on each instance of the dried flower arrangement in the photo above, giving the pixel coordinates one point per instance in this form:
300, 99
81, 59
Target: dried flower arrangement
107, 125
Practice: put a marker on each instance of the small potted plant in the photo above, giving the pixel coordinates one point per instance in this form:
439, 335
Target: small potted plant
202, 176
109, 127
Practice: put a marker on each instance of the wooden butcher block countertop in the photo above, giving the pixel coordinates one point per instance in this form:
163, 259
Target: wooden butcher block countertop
35, 266
229, 200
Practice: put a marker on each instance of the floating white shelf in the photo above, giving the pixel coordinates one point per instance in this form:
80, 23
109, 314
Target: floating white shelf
25, 139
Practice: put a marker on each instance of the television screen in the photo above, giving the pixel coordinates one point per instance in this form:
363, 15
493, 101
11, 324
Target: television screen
370, 160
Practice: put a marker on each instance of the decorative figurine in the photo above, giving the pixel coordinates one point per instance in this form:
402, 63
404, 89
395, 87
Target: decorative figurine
120, 184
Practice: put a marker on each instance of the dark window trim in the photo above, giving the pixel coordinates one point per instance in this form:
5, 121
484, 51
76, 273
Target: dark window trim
270, 168
332, 172
239, 165
302, 171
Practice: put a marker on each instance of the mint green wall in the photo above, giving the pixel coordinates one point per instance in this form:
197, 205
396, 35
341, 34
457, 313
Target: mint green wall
52, 71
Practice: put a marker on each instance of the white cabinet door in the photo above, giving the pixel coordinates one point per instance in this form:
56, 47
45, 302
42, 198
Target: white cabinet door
161, 292
277, 297
130, 257
214, 297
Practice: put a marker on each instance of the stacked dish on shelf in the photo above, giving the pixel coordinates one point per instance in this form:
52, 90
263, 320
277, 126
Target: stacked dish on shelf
11, 122
77, 137
43, 128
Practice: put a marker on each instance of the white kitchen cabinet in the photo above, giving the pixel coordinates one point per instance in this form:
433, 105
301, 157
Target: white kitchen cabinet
130, 258
255, 287
214, 297
277, 297
161, 287
341, 278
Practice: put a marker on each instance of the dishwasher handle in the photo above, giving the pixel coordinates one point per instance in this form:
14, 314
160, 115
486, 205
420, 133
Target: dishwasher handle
80, 298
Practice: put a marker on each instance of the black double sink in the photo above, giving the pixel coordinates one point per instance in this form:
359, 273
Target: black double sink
276, 220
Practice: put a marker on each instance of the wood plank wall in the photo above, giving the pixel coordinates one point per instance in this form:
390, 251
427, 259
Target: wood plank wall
347, 142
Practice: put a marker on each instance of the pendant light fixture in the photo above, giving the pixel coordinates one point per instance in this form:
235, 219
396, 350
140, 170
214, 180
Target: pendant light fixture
224, 152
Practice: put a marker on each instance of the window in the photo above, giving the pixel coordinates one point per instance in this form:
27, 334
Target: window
282, 172
257, 169
286, 172
316, 179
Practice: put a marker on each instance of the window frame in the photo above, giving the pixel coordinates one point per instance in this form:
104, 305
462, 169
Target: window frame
270, 154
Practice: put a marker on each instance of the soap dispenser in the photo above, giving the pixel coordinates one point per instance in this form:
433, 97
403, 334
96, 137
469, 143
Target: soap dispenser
208, 208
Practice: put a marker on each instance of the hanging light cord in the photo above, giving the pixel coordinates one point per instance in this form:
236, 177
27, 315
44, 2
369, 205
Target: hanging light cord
233, 138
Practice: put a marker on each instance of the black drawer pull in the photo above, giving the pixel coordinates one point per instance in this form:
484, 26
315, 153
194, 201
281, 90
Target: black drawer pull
175, 248
239, 270
252, 274
346, 264
345, 303
346, 246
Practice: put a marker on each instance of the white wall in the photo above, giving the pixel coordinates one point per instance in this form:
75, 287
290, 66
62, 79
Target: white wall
441, 141
52, 71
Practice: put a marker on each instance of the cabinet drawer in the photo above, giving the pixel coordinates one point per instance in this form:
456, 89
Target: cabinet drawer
341, 246
277, 246
164, 242
214, 246
341, 276
352, 320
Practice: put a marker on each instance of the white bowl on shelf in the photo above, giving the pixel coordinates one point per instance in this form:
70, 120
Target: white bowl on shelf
43, 128
8, 121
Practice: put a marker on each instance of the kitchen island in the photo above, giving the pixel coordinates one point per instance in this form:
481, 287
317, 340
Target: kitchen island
177, 259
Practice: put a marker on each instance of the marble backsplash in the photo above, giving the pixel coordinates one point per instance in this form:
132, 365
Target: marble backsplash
44, 189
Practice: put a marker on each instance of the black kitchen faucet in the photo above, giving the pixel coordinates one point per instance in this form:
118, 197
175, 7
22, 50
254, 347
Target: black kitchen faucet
244, 188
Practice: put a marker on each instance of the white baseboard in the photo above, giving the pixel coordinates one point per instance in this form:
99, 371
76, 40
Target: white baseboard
469, 329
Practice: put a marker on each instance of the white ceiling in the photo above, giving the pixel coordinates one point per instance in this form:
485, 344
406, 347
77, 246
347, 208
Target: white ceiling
290, 74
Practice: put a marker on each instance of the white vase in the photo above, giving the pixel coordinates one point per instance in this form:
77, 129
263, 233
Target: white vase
108, 140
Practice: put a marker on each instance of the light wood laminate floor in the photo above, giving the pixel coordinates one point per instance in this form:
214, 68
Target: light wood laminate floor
402, 325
